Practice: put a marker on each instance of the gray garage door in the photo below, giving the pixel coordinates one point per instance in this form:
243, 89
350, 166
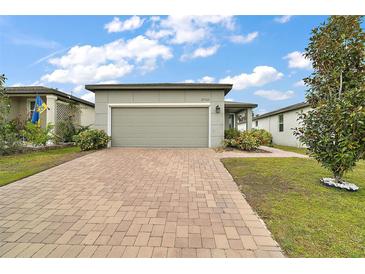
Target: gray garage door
160, 127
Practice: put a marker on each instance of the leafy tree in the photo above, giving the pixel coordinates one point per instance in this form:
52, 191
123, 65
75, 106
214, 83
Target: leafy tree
334, 130
9, 141
4, 101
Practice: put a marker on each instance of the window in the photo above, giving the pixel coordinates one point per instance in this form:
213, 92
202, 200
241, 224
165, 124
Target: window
231, 123
257, 123
31, 105
281, 122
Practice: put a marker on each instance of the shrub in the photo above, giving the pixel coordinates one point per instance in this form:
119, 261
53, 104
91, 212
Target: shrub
65, 131
37, 135
80, 129
17, 124
231, 133
246, 140
92, 139
9, 140
264, 137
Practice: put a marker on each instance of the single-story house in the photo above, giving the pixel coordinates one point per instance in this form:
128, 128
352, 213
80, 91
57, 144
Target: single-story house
281, 124
166, 114
22, 100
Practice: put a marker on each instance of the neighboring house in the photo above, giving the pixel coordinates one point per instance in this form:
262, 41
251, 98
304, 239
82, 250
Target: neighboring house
167, 115
22, 101
281, 124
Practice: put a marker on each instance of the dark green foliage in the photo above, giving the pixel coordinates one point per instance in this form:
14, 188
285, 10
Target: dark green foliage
92, 139
334, 130
4, 102
231, 133
17, 125
9, 141
65, 131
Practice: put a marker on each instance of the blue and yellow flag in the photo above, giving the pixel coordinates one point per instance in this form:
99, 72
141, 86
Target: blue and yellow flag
39, 107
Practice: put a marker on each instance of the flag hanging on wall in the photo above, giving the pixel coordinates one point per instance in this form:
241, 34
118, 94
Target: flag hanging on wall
39, 107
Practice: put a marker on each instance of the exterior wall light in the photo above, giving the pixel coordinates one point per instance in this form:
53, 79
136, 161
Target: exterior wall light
217, 109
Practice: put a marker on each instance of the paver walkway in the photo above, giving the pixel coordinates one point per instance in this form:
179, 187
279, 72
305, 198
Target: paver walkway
125, 202
272, 152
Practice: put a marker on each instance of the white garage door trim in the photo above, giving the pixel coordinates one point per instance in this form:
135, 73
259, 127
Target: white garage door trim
159, 105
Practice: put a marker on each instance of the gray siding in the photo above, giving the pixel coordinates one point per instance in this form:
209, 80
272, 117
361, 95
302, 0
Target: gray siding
103, 98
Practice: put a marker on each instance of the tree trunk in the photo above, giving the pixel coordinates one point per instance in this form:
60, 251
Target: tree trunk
338, 179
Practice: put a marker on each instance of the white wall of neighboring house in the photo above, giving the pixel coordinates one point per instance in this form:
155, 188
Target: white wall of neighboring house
286, 137
87, 116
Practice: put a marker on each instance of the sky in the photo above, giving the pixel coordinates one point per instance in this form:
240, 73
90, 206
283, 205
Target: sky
260, 55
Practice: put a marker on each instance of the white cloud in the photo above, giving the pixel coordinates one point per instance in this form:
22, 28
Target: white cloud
244, 39
228, 99
90, 64
48, 56
200, 53
188, 29
158, 34
283, 19
139, 48
206, 79
189, 81
90, 96
82, 74
109, 82
78, 88
299, 83
260, 76
275, 95
17, 85
116, 25
296, 59
80, 55
37, 83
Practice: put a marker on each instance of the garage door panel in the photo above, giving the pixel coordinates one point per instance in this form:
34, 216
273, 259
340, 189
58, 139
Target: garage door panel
160, 127
162, 122
155, 132
160, 142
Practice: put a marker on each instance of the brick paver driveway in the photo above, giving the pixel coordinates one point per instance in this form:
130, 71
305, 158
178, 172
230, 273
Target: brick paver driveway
132, 203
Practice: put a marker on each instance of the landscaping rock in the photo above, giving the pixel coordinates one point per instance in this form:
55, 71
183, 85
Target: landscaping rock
344, 185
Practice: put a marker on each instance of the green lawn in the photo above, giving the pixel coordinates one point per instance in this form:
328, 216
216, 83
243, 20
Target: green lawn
291, 149
18, 166
305, 217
